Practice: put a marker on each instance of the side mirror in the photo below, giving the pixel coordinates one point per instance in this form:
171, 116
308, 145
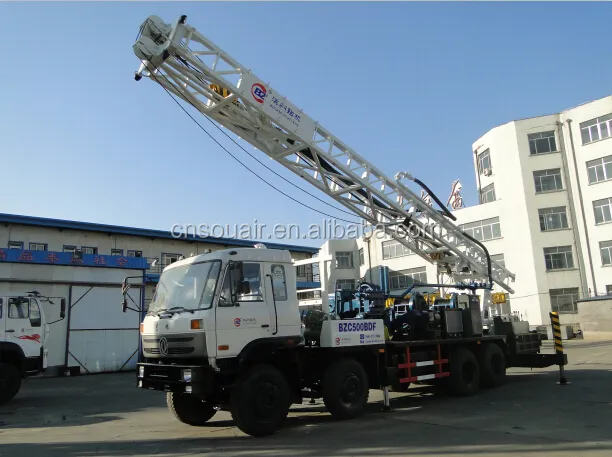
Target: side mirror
124, 286
124, 305
63, 308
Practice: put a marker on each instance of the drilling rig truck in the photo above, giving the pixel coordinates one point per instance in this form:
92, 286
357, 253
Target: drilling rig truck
223, 330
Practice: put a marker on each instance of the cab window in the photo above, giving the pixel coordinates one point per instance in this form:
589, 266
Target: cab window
35, 318
278, 282
18, 308
242, 283
249, 283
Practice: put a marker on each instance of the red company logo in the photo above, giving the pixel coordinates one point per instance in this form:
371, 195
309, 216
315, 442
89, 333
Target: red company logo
237, 322
34, 337
259, 92
337, 341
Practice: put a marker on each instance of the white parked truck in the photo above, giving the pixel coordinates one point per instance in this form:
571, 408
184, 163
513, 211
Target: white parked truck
223, 330
24, 329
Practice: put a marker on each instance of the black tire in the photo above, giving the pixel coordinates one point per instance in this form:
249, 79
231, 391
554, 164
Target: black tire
10, 382
464, 377
190, 410
260, 401
492, 366
345, 389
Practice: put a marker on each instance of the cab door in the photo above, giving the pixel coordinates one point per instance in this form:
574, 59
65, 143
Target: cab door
23, 323
242, 314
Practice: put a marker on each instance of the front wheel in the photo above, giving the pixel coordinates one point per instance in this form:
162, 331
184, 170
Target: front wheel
345, 388
10, 382
260, 401
190, 410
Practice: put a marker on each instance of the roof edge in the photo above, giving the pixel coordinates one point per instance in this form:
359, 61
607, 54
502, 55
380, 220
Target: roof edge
136, 231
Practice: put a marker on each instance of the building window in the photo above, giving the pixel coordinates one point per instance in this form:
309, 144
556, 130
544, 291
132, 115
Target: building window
167, 259
499, 259
564, 300
548, 180
484, 230
345, 284
605, 249
68, 248
599, 169
393, 249
609, 290
487, 194
603, 210
596, 129
134, 253
484, 162
405, 278
89, 250
15, 244
541, 143
554, 218
344, 260
558, 258
116, 251
361, 257
38, 246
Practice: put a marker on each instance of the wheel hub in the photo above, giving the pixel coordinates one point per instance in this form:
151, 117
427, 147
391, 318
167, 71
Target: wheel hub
266, 400
351, 388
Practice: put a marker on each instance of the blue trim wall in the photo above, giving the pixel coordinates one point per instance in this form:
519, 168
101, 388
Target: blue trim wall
68, 259
139, 232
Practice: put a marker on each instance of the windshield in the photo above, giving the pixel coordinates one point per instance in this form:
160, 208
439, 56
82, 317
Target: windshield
189, 286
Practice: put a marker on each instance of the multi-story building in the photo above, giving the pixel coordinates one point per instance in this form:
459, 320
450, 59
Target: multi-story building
545, 211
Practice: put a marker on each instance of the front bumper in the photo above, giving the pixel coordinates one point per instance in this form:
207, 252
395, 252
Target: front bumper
191, 379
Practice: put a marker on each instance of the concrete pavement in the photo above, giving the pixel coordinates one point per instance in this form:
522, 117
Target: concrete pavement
106, 415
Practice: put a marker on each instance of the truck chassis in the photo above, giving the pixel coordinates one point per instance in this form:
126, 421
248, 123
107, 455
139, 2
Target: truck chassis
259, 388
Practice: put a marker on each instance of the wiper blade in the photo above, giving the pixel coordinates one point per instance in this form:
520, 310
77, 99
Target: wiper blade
175, 310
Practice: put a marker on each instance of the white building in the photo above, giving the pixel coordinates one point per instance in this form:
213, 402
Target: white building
545, 211
39, 254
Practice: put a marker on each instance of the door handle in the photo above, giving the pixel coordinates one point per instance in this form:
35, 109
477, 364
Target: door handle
265, 326
10, 331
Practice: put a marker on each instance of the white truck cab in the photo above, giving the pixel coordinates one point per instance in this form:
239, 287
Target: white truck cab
214, 305
23, 332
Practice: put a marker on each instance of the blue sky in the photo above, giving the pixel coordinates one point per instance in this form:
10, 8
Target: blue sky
80, 139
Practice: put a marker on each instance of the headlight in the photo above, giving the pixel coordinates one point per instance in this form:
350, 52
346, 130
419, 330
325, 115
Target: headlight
187, 375
141, 372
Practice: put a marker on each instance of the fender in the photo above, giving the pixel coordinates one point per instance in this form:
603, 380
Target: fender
282, 342
12, 348
12, 353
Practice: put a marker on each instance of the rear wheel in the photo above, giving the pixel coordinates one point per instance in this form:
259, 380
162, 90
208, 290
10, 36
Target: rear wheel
345, 388
190, 410
10, 382
492, 366
464, 373
260, 401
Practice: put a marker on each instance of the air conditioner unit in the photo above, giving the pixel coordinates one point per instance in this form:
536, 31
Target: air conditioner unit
487, 172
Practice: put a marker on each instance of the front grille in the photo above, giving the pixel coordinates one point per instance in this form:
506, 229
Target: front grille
171, 351
170, 340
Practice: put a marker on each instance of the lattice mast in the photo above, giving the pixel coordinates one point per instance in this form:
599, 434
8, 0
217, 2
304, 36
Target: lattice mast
196, 70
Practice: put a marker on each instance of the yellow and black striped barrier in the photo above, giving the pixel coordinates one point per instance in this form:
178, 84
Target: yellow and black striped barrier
556, 328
